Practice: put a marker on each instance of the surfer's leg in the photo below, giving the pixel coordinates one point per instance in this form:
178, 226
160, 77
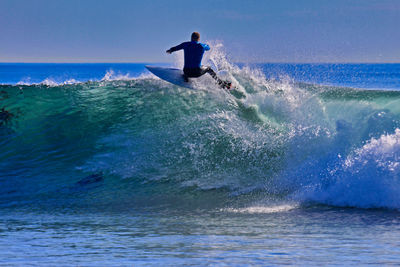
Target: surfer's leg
221, 83
209, 71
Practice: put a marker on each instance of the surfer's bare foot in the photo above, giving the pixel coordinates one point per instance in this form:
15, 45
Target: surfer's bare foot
185, 78
227, 85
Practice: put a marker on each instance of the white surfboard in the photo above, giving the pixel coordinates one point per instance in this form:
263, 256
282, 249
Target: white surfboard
175, 76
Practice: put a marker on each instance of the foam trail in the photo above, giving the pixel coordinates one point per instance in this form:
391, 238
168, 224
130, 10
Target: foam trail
263, 209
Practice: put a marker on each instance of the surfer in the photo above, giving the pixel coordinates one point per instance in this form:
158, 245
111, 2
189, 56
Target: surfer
194, 51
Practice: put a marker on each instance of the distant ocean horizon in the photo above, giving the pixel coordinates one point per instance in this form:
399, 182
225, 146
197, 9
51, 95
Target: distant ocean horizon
363, 75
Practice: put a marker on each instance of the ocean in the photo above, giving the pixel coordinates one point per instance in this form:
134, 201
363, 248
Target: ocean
107, 165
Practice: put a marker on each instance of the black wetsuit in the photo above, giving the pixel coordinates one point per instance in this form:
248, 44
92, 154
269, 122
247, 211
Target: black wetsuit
194, 52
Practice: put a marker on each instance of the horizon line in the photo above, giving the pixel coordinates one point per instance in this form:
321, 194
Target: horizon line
271, 62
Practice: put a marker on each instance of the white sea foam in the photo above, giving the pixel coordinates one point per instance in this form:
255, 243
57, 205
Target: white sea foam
368, 177
111, 75
383, 153
263, 209
50, 82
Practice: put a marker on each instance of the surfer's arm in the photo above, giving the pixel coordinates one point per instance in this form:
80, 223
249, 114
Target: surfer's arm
175, 48
206, 47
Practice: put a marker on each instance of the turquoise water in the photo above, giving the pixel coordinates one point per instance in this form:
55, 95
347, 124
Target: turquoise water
108, 165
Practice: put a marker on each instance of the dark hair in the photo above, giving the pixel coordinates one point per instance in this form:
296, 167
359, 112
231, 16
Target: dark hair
195, 36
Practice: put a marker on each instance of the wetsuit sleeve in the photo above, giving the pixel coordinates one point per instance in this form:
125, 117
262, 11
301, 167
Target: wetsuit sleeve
178, 47
206, 47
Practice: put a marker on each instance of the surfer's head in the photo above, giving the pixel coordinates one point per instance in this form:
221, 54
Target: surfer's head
196, 36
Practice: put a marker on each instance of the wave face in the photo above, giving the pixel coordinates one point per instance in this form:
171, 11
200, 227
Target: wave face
137, 140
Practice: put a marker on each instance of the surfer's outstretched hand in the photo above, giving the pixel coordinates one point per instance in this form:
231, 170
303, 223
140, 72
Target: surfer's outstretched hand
169, 51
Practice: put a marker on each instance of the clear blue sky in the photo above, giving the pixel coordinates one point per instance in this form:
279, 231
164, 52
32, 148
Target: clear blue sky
251, 30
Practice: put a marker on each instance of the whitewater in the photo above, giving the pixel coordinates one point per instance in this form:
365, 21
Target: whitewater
107, 164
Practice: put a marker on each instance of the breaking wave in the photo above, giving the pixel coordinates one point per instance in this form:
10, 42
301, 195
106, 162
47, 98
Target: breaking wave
126, 139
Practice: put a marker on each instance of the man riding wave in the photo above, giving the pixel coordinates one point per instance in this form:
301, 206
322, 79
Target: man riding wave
194, 51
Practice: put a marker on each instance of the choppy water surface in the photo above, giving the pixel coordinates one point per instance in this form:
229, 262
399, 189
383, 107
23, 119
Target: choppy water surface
300, 236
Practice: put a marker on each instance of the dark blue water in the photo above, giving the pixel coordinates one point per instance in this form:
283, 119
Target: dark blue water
104, 164
29, 73
370, 76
